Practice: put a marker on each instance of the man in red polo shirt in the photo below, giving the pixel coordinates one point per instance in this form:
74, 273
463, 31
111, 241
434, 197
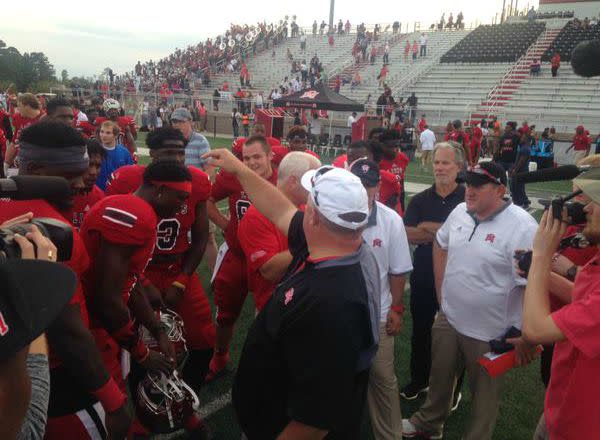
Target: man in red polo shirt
571, 408
265, 246
581, 144
230, 284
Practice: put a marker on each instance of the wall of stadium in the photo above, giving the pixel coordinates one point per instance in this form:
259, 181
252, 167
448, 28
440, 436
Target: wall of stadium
582, 9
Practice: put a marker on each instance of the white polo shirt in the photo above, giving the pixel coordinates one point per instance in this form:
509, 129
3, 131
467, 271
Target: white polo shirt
386, 236
427, 139
482, 295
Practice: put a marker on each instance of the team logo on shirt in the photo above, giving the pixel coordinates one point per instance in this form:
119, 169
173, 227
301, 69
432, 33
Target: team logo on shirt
490, 238
289, 295
377, 242
184, 209
3, 326
256, 255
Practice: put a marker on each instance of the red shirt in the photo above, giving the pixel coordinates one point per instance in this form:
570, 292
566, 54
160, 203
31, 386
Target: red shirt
123, 122
571, 408
87, 128
581, 142
20, 123
260, 240
82, 203
396, 166
555, 60
172, 233
457, 136
391, 191
79, 257
227, 186
421, 125
341, 161
124, 220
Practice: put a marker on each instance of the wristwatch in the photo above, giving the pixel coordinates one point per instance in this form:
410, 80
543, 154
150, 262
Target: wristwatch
572, 272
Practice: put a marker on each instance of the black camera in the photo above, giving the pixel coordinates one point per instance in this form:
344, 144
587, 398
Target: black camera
523, 260
575, 212
58, 232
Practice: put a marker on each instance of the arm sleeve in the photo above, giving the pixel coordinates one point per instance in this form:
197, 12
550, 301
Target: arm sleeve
580, 324
258, 240
413, 212
443, 234
296, 238
399, 254
219, 189
127, 225
34, 424
321, 393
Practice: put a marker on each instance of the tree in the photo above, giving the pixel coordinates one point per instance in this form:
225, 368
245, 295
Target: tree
24, 69
64, 75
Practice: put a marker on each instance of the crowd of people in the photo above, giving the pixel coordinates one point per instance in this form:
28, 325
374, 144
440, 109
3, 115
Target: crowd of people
123, 339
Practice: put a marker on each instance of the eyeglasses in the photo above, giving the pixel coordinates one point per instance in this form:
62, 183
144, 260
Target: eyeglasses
482, 172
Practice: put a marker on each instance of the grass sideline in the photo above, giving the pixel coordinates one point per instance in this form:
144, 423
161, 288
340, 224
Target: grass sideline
523, 395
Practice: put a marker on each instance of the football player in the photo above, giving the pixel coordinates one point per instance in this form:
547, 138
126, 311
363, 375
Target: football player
90, 194
84, 399
230, 279
172, 269
128, 134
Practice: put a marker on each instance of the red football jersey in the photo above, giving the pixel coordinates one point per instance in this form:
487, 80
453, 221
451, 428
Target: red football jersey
20, 123
86, 128
82, 203
123, 122
79, 257
390, 191
341, 161
227, 186
124, 219
396, 166
260, 240
172, 233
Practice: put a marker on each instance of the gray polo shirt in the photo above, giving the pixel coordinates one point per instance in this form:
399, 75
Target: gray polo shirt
196, 147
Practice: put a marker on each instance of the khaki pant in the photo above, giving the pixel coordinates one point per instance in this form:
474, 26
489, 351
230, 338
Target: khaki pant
383, 398
578, 155
450, 353
541, 432
426, 157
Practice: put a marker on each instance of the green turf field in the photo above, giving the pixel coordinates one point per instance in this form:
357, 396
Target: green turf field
523, 393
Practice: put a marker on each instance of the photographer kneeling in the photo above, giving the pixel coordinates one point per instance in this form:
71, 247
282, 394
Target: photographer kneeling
32, 296
570, 410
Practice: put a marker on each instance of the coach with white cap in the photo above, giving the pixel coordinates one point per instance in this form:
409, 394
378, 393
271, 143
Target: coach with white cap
305, 365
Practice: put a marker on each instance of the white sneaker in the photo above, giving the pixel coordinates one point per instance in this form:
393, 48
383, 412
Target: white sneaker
409, 430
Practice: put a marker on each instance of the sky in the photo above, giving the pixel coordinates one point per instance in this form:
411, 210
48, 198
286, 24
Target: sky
86, 37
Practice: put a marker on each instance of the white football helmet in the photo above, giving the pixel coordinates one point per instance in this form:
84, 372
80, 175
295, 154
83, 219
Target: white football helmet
173, 325
111, 104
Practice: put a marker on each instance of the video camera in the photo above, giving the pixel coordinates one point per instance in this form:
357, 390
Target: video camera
59, 233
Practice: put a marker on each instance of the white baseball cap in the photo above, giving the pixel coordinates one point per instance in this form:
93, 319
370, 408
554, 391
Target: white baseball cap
338, 195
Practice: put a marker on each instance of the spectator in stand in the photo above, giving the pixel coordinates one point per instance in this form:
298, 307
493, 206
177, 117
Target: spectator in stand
373, 54
581, 144
395, 27
337, 84
117, 155
521, 165
535, 68
314, 28
427, 140
424, 216
386, 53
574, 387
356, 80
415, 50
420, 127
235, 123
555, 61
216, 100
382, 75
406, 50
330, 40
351, 120
423, 43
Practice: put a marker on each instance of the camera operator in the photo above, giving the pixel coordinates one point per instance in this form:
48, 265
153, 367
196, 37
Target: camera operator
81, 387
570, 410
566, 262
25, 314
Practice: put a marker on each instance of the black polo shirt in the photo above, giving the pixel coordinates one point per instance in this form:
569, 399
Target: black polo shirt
307, 355
429, 206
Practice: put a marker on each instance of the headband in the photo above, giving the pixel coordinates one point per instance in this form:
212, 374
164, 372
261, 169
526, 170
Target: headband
185, 186
73, 159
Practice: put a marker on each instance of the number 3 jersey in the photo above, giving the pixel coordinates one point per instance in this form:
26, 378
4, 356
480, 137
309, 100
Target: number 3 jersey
173, 234
227, 185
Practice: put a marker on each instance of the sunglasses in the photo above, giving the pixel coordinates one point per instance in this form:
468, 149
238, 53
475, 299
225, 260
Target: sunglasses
480, 171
